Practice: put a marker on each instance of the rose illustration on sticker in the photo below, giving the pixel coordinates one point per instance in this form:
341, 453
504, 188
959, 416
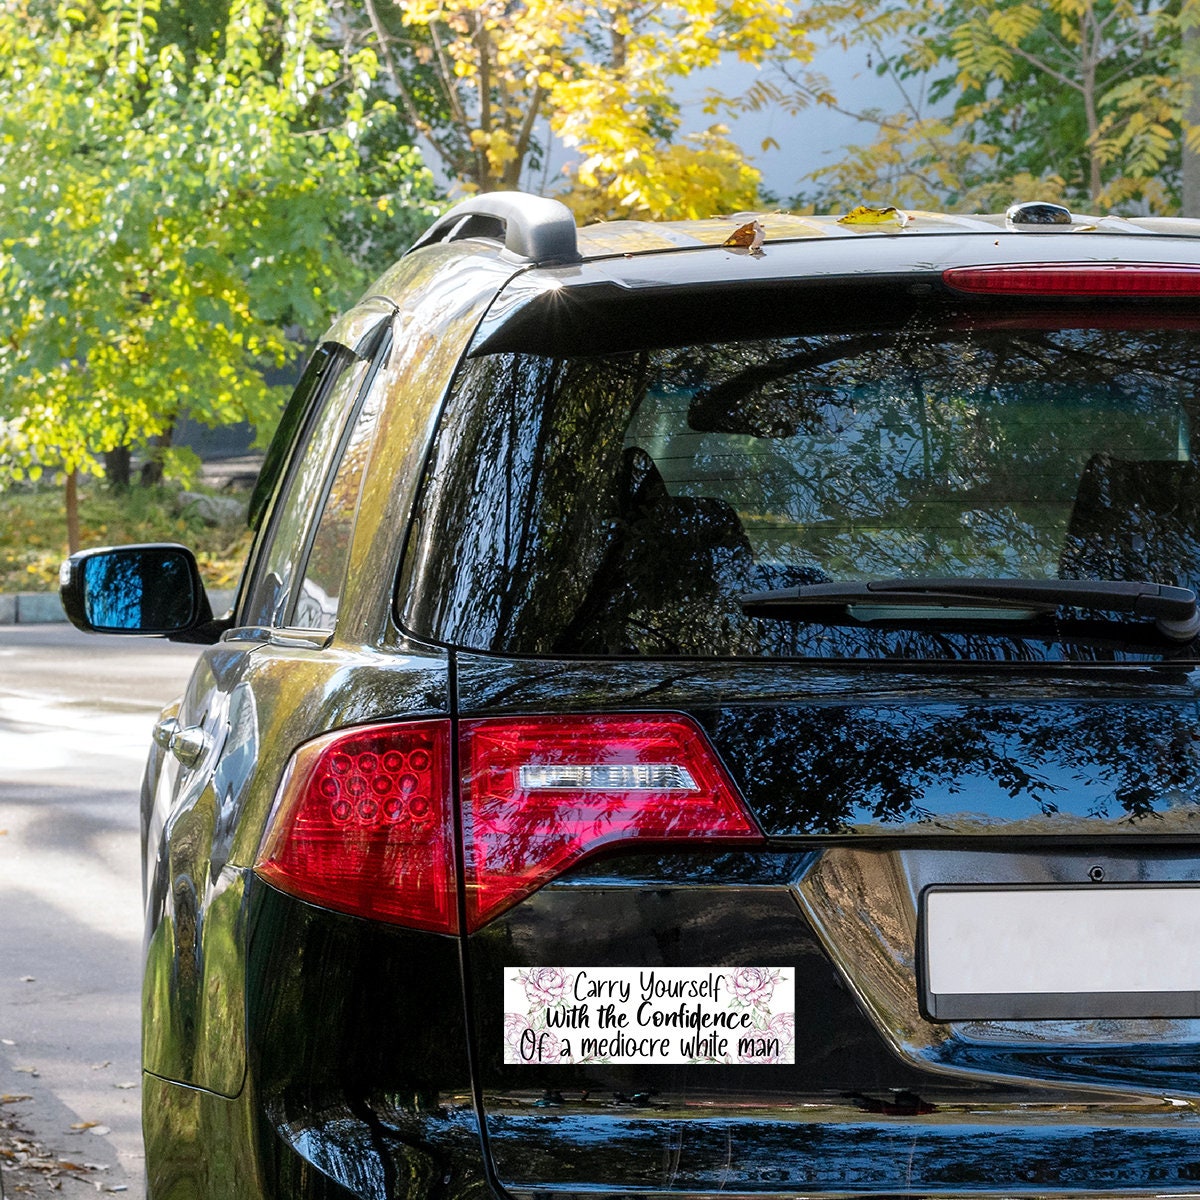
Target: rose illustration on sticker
545, 986
547, 1048
782, 1026
754, 986
515, 1024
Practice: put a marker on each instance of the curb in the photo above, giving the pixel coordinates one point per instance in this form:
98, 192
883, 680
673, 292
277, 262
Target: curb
45, 608
30, 608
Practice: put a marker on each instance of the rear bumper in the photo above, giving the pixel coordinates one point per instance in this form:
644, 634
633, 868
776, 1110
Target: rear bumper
878, 1101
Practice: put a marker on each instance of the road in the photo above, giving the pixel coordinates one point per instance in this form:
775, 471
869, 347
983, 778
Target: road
75, 718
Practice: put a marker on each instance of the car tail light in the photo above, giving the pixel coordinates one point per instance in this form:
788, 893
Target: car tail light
1067, 280
364, 822
364, 825
542, 793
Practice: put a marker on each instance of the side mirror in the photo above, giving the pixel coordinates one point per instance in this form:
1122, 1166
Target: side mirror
150, 589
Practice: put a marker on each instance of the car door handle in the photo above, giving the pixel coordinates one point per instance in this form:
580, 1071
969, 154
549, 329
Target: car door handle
188, 744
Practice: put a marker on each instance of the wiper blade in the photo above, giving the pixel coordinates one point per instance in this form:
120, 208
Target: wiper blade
1172, 609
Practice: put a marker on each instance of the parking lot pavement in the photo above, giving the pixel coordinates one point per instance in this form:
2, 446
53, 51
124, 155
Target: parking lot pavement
75, 720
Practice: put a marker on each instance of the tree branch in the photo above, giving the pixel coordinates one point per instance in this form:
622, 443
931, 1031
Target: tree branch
447, 76
513, 173
1045, 67
407, 102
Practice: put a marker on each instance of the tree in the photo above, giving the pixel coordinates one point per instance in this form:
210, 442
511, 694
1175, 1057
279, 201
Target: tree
487, 82
1079, 100
168, 217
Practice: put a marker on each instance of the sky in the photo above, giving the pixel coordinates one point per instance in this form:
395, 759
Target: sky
807, 141
810, 139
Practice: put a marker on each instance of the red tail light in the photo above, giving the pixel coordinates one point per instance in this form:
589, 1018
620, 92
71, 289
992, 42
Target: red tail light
542, 793
364, 821
1066, 280
365, 825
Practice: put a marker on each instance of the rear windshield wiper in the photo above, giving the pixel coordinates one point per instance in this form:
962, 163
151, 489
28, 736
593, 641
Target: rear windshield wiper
1172, 609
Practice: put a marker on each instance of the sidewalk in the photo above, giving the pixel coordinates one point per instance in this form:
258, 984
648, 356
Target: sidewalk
44, 608
30, 608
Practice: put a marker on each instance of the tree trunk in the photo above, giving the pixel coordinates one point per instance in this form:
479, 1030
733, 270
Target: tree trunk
152, 469
117, 469
1190, 73
72, 506
1089, 44
483, 168
618, 47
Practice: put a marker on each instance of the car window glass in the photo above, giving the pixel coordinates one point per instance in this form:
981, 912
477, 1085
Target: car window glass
316, 598
624, 504
276, 563
316, 374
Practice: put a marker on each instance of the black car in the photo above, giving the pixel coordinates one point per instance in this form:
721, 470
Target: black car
712, 707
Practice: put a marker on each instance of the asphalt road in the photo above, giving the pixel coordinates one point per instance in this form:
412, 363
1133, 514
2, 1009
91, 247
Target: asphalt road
75, 718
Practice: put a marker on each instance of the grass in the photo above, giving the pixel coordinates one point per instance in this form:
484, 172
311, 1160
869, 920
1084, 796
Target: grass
33, 532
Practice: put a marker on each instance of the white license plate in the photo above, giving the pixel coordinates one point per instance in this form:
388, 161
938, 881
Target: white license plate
1017, 953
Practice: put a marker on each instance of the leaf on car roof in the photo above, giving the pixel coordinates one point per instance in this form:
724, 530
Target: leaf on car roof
748, 237
864, 214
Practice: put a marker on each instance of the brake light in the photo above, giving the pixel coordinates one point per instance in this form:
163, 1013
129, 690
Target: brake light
542, 793
364, 825
1067, 280
364, 821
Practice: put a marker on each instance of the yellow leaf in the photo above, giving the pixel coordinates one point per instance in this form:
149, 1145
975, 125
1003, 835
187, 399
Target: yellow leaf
864, 214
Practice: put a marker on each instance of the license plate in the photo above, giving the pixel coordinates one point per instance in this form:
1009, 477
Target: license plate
1022, 953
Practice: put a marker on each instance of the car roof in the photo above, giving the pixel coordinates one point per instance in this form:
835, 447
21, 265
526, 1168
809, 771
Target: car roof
535, 230
563, 288
640, 237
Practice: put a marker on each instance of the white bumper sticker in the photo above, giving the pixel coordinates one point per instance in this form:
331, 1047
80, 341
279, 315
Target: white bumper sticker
649, 1015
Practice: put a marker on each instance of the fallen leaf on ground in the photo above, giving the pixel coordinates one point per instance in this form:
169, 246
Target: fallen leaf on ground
85, 1124
101, 1066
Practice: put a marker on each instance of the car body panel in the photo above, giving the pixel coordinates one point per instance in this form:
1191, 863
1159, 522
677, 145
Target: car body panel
874, 784
261, 692
851, 1115
891, 752
550, 302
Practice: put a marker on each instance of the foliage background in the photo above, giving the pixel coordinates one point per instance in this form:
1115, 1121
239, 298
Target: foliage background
178, 218
189, 192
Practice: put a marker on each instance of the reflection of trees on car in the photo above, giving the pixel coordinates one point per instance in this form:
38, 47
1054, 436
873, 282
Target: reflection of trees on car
115, 590
118, 597
825, 768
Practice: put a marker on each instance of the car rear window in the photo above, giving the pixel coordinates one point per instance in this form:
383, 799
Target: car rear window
625, 504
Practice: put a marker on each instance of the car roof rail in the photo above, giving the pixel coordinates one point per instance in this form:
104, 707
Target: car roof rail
531, 227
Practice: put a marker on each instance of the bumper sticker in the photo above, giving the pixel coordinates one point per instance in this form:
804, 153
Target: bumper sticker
645, 1015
